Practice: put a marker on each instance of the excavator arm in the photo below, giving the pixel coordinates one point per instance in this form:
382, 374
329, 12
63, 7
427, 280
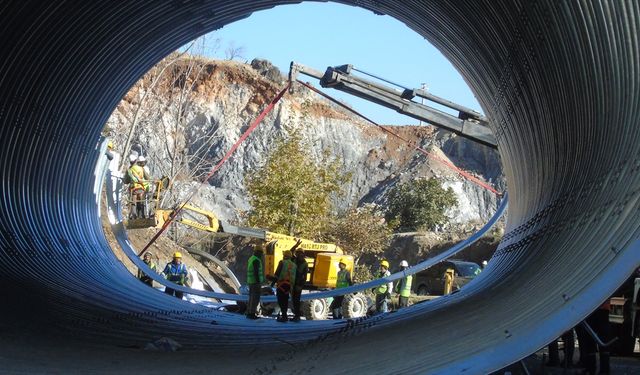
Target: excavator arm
469, 123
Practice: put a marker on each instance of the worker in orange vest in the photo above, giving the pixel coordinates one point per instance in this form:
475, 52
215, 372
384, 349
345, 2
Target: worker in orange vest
284, 279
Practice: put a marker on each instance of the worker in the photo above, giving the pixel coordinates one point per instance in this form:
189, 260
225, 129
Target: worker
143, 276
142, 161
302, 269
284, 279
569, 349
449, 277
383, 292
404, 286
343, 280
110, 153
255, 279
484, 264
176, 272
133, 158
114, 160
138, 189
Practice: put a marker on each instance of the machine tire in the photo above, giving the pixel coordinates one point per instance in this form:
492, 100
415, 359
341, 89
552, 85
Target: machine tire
422, 291
315, 309
354, 306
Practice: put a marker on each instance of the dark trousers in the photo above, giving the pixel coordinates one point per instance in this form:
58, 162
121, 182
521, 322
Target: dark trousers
296, 293
336, 307
583, 337
403, 301
254, 298
282, 294
569, 349
147, 280
172, 292
381, 303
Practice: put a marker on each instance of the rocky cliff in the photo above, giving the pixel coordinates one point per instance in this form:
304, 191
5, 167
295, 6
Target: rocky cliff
224, 97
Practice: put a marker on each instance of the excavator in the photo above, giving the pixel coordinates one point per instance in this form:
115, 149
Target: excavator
322, 258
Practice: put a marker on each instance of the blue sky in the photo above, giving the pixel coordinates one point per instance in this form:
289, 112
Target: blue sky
328, 34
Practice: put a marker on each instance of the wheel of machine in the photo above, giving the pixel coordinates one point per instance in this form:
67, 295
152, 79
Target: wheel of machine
422, 291
354, 306
315, 309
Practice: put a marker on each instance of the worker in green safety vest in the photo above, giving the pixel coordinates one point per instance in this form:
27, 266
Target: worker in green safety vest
383, 292
255, 278
285, 279
403, 288
143, 276
342, 281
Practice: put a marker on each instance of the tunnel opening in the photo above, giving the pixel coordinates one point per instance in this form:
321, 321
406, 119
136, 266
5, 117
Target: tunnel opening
182, 103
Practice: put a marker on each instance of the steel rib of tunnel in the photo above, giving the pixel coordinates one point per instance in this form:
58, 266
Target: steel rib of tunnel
114, 188
557, 79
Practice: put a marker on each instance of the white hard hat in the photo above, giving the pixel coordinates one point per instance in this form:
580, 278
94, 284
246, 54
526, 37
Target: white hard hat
484, 262
133, 158
142, 159
404, 263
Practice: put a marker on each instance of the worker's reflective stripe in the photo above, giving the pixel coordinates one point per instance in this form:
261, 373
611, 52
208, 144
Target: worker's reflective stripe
287, 273
176, 274
406, 288
251, 279
342, 282
382, 289
142, 274
138, 181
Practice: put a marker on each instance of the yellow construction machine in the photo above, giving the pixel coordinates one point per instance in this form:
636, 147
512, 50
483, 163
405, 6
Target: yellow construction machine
322, 258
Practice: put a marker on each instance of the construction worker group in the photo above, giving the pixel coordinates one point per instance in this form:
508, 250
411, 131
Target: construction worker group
291, 274
175, 271
289, 278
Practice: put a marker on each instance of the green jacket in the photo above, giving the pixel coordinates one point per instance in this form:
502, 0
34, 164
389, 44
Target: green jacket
143, 276
286, 273
255, 275
404, 286
344, 279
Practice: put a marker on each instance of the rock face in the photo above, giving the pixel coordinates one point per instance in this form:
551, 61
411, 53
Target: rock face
229, 96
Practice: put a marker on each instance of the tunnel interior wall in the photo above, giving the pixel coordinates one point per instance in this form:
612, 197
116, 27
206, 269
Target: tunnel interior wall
557, 79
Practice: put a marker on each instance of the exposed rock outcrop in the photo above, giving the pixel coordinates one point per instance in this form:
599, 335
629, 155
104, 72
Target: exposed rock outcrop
227, 96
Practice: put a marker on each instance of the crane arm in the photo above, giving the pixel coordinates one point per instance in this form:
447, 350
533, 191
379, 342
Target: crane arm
469, 123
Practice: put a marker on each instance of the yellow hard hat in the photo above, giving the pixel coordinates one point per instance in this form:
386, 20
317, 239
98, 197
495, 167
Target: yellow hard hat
177, 254
384, 263
110, 145
286, 253
343, 261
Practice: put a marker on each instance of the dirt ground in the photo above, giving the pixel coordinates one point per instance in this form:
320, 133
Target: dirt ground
162, 250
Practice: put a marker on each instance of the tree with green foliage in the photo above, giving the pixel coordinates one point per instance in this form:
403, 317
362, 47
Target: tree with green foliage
362, 230
420, 204
292, 193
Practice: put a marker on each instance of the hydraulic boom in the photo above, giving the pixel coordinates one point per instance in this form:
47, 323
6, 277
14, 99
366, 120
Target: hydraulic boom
469, 123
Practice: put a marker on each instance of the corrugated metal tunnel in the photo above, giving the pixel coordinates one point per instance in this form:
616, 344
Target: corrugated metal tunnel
559, 81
